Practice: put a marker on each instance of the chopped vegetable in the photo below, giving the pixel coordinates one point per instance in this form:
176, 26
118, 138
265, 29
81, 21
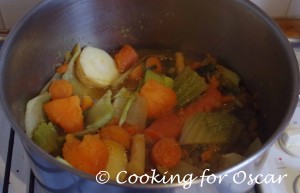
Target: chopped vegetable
253, 147
66, 113
45, 136
167, 126
209, 101
125, 58
151, 62
62, 69
179, 62
118, 134
79, 88
34, 114
89, 155
188, 86
126, 108
211, 128
96, 68
209, 152
166, 153
117, 160
138, 155
98, 115
86, 102
56, 76
60, 89
162, 79
159, 98
229, 76
137, 113
230, 159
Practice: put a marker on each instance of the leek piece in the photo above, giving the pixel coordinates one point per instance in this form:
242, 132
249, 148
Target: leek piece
70, 75
211, 128
162, 79
98, 115
34, 114
45, 136
188, 85
229, 76
126, 108
137, 114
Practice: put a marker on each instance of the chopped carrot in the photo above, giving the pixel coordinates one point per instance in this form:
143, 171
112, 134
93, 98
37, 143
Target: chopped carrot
159, 98
195, 65
166, 126
89, 155
137, 72
86, 102
166, 153
118, 134
62, 69
60, 89
66, 113
207, 155
212, 99
132, 129
125, 58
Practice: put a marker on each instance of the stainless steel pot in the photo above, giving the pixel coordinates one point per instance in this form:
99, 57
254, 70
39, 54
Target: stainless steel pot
235, 31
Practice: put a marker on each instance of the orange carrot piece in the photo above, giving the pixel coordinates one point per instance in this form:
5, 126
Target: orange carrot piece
212, 99
60, 89
125, 58
166, 153
132, 129
207, 155
89, 155
118, 134
66, 113
86, 102
167, 126
159, 98
62, 69
137, 72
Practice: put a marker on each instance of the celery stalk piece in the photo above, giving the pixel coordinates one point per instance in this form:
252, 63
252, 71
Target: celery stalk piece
188, 85
34, 114
165, 80
211, 128
45, 136
99, 114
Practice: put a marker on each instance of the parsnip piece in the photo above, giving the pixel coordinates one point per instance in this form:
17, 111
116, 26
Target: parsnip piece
96, 68
117, 160
138, 154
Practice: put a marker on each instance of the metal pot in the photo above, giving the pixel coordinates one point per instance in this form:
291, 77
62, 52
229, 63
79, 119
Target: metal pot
235, 31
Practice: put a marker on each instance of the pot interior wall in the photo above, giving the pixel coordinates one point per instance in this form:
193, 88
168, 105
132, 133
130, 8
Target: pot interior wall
233, 31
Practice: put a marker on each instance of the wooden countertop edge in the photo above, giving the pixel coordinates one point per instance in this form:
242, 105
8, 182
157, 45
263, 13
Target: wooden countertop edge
290, 26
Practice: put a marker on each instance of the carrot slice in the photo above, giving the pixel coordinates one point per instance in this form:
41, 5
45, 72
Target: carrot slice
66, 113
167, 126
62, 69
159, 98
212, 99
118, 134
166, 153
86, 102
60, 89
89, 155
137, 72
207, 155
125, 58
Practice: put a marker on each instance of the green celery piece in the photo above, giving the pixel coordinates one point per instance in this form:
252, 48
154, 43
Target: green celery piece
126, 108
164, 80
99, 114
34, 114
229, 75
188, 85
45, 136
211, 128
